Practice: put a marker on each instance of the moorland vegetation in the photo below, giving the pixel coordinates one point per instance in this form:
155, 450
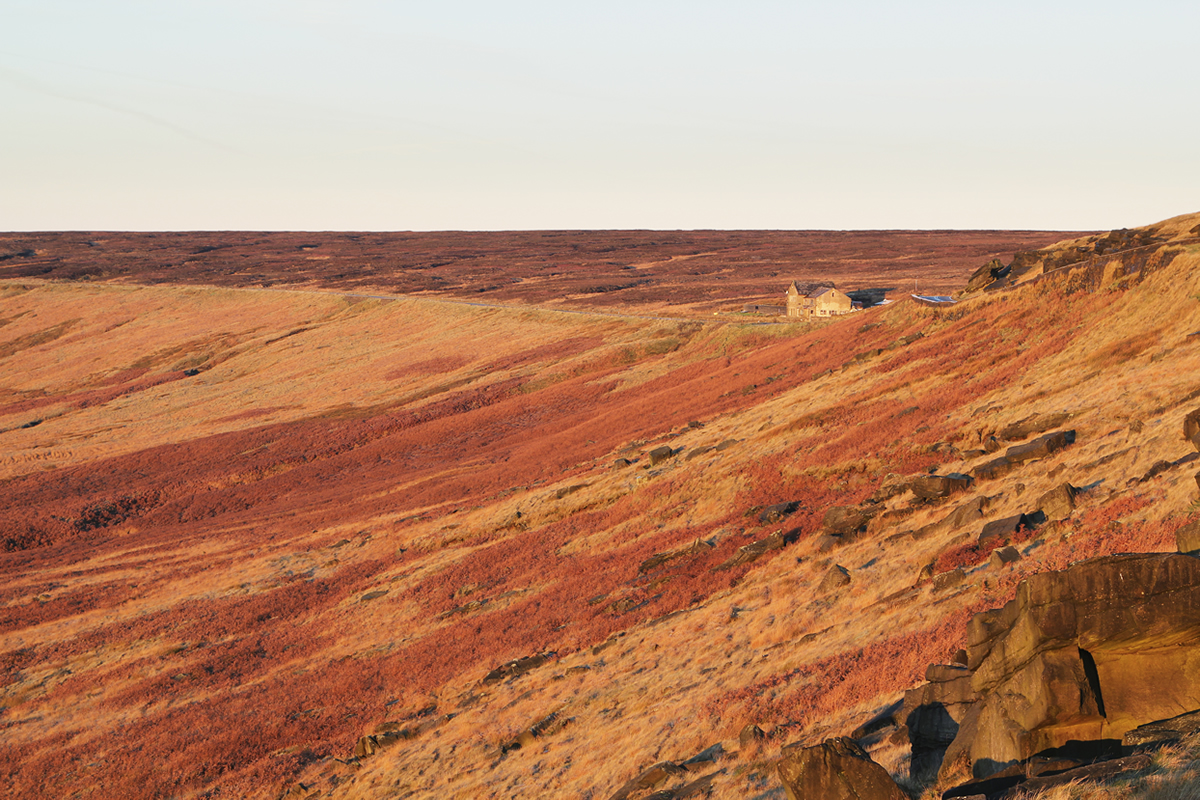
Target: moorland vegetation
314, 544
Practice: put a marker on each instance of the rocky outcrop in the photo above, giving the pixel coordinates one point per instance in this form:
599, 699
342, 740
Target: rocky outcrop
836, 769
1068, 659
986, 275
934, 713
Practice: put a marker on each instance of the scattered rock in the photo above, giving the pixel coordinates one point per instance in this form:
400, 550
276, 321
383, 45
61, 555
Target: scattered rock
705, 757
749, 553
728, 443
845, 520
1191, 428
1004, 556
933, 487
1043, 446
547, 726
949, 579
375, 595
622, 463
751, 734
1105, 770
991, 445
658, 559
1187, 538
520, 666
1161, 732
649, 778
697, 452
887, 718
995, 468
1059, 502
777, 512
892, 485
660, 454
837, 577
1038, 423
569, 490
836, 769
1003, 528
969, 512
925, 574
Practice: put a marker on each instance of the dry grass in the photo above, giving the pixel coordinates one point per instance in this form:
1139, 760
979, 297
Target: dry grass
331, 451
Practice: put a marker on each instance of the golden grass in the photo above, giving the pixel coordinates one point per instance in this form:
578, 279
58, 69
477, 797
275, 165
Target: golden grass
660, 691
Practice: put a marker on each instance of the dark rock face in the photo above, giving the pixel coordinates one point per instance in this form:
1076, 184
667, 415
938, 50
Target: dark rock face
934, 713
1086, 654
837, 769
933, 487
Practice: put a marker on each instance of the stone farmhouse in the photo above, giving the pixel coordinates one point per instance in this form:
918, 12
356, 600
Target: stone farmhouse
820, 301
808, 300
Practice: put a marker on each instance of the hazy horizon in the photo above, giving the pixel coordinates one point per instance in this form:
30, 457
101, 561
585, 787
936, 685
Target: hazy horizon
370, 116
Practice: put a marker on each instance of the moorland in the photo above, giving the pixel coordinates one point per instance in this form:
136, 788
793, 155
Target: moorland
527, 514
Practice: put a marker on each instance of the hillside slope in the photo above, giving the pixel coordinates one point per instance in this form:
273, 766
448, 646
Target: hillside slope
244, 529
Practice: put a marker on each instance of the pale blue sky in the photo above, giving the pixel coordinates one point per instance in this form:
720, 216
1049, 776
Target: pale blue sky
361, 114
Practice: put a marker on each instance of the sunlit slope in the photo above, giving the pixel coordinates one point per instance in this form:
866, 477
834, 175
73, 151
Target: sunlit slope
353, 512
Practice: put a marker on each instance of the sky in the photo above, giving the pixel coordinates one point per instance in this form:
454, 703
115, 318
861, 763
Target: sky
664, 114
